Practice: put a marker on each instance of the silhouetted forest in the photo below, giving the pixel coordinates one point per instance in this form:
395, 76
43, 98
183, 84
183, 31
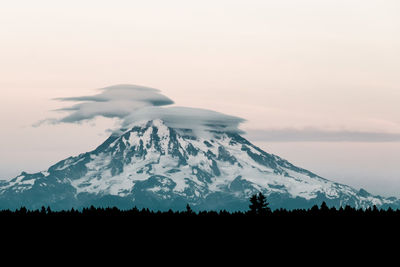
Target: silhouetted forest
96, 225
258, 208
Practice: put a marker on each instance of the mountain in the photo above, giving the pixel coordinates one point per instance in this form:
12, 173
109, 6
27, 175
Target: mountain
154, 166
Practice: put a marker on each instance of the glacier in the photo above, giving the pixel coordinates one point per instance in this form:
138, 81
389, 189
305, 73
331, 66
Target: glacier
156, 166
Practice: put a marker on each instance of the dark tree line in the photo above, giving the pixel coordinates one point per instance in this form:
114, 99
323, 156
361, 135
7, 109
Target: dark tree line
258, 207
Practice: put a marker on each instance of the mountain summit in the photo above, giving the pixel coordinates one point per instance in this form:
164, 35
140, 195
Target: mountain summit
153, 165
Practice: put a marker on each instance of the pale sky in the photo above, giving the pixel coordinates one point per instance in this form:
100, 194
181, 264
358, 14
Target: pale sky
320, 70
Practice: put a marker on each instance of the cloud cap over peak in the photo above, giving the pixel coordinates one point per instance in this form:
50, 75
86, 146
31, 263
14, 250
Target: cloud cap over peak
133, 103
187, 118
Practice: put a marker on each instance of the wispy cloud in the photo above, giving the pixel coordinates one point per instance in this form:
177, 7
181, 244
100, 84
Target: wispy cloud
132, 103
317, 135
116, 101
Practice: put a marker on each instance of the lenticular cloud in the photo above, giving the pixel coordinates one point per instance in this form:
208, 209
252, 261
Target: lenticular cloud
136, 93
116, 101
132, 103
187, 118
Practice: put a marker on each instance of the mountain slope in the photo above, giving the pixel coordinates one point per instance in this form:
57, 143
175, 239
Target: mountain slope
159, 167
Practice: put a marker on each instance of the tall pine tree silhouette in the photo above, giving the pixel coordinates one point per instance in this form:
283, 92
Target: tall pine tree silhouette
189, 210
263, 204
259, 205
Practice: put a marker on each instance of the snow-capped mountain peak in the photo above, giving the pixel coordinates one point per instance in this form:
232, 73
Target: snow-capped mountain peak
154, 165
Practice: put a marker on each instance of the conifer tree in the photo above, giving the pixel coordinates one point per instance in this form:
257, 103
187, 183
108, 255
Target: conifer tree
324, 208
259, 205
189, 209
263, 204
